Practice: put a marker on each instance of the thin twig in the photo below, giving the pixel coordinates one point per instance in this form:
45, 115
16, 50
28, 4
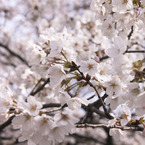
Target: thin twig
104, 57
131, 32
51, 105
135, 51
109, 126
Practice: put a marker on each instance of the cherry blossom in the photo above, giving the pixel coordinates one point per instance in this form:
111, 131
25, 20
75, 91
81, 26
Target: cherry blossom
89, 66
72, 72
114, 86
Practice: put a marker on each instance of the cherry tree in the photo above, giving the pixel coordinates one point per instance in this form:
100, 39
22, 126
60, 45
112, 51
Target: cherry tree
72, 72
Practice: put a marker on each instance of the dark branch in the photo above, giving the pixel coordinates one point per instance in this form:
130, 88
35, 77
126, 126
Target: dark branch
135, 51
35, 86
7, 63
130, 34
109, 126
13, 53
51, 105
33, 93
8, 122
104, 57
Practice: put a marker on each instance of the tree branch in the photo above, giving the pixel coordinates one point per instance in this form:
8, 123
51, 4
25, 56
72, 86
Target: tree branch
109, 126
13, 53
8, 122
7, 63
131, 32
135, 51
91, 85
33, 93
51, 105
35, 86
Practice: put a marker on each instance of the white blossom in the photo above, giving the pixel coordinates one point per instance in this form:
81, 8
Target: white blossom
139, 104
89, 66
56, 48
118, 48
75, 103
56, 74
65, 54
126, 113
113, 87
6, 99
116, 132
32, 106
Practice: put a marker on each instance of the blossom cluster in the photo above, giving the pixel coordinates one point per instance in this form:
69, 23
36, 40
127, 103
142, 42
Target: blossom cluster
87, 58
